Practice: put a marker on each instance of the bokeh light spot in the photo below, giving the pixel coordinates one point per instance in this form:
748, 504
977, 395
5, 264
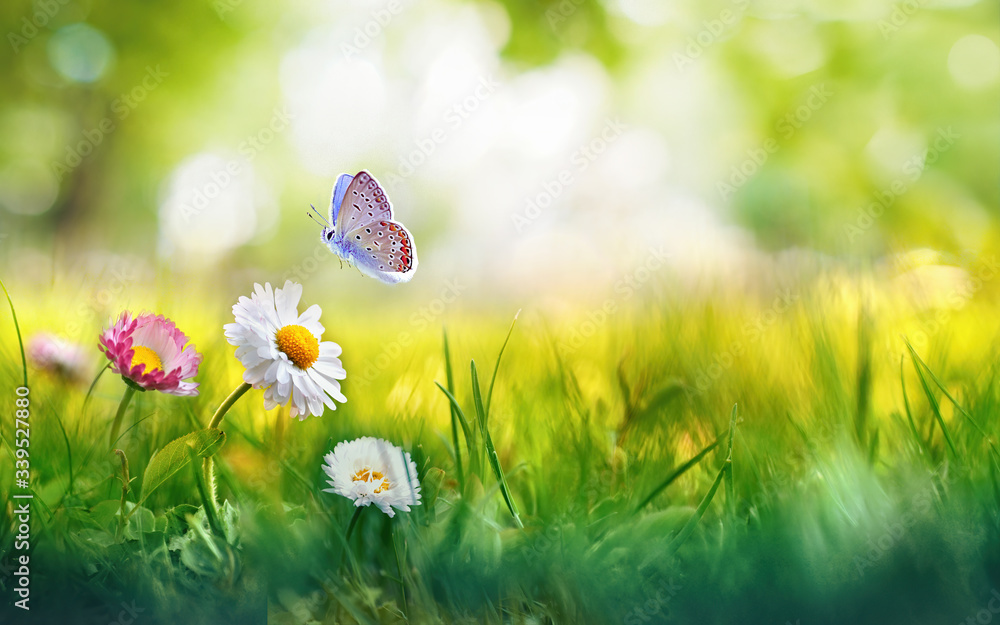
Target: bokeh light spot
80, 53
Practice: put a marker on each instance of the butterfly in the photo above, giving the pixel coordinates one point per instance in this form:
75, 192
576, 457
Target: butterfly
361, 230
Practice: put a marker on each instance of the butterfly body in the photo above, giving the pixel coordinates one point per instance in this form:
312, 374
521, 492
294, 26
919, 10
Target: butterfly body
363, 233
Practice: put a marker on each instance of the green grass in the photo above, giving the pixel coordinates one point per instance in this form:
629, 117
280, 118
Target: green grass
684, 464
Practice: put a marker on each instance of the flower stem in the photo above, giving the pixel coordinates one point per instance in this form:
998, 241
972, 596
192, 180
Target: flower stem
206, 488
122, 508
208, 465
226, 405
116, 426
354, 521
208, 476
399, 569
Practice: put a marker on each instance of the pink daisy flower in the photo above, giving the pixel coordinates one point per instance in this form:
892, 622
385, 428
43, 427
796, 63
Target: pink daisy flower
149, 352
58, 356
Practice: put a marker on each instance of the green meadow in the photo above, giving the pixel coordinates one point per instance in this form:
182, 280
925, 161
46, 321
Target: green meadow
820, 452
704, 327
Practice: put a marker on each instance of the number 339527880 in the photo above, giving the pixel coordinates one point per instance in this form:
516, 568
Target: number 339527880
21, 434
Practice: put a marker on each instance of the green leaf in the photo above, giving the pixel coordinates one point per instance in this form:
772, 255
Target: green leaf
229, 517
98, 538
205, 552
140, 521
104, 512
174, 457
177, 518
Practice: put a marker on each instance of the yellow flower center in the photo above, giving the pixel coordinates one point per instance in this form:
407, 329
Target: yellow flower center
368, 475
298, 344
145, 356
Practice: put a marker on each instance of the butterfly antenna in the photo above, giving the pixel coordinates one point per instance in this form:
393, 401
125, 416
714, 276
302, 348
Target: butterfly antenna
320, 215
322, 224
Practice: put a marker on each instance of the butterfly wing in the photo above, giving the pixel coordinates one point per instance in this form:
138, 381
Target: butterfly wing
339, 191
383, 250
363, 201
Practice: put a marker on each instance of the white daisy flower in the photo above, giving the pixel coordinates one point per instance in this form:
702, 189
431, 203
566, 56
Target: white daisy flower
372, 470
282, 353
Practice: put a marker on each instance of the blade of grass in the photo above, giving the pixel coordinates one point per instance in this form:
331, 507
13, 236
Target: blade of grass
679, 471
909, 415
17, 328
477, 398
94, 447
491, 452
959, 407
935, 407
489, 394
454, 417
90, 391
399, 569
477, 403
69, 456
682, 536
730, 487
873, 447
470, 441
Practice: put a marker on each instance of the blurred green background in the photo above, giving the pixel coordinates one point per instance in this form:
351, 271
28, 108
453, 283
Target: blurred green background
823, 175
537, 148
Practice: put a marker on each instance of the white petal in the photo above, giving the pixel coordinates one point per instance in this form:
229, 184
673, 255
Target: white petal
255, 374
329, 349
329, 387
310, 320
283, 375
332, 370
286, 303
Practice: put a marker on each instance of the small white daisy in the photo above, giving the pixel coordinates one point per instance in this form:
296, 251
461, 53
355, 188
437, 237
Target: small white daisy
372, 470
282, 353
